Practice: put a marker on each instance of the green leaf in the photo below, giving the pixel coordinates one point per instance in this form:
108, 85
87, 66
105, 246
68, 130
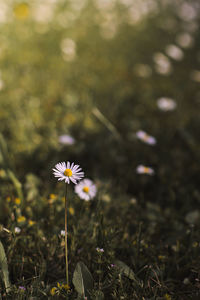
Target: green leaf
124, 269
4, 268
82, 279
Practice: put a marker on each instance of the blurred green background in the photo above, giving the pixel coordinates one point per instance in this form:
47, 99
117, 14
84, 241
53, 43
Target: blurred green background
94, 70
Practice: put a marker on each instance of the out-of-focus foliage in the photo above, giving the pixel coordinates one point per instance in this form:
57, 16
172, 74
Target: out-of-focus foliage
95, 69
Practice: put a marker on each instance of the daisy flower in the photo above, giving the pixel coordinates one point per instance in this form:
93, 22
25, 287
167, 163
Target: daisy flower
143, 136
86, 189
100, 250
144, 170
68, 172
166, 104
62, 233
66, 139
17, 230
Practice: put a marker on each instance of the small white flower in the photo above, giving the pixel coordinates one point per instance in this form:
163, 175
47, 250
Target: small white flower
17, 230
66, 139
62, 233
68, 172
185, 40
144, 170
100, 250
166, 104
143, 136
162, 63
68, 47
174, 52
86, 189
187, 11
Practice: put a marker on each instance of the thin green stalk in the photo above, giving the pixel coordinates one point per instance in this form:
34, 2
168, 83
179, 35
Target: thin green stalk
66, 248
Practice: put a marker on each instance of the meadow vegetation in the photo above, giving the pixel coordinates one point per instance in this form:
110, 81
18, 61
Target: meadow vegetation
94, 71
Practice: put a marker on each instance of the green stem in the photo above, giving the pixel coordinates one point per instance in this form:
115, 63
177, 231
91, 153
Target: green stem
66, 248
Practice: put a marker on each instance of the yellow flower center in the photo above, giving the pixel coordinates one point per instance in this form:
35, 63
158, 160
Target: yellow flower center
86, 189
146, 170
146, 137
68, 172
17, 201
21, 219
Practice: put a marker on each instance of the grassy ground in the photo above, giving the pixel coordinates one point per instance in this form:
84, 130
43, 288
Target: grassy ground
95, 72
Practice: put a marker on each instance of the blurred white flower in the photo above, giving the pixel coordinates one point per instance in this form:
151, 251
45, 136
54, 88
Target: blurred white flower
126, 2
143, 70
17, 230
100, 250
195, 75
166, 104
162, 64
68, 172
187, 11
62, 232
185, 40
138, 9
1, 84
186, 281
133, 201
144, 170
77, 5
43, 12
86, 189
105, 4
3, 12
68, 47
174, 52
143, 136
66, 139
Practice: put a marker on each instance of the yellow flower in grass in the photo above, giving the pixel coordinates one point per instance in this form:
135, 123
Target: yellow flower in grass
71, 210
167, 297
8, 199
2, 173
31, 223
21, 219
17, 201
22, 11
66, 287
63, 286
161, 257
53, 196
53, 291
